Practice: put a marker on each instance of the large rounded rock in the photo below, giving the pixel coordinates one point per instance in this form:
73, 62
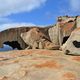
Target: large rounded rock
72, 45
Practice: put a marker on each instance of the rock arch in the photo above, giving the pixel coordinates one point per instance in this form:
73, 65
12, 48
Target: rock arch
13, 44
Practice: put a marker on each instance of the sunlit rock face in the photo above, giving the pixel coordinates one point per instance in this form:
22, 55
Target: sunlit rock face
36, 39
55, 35
72, 45
13, 34
32, 37
78, 21
63, 28
39, 65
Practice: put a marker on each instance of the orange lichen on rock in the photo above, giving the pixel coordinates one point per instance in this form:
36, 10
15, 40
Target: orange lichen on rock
49, 64
68, 26
44, 52
76, 58
36, 51
69, 76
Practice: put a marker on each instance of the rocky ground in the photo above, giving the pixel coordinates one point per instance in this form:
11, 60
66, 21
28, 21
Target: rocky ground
39, 65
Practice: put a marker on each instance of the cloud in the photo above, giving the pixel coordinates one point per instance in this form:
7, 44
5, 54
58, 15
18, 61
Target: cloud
14, 25
8, 7
75, 5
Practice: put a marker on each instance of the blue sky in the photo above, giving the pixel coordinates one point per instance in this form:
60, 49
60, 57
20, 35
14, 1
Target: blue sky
14, 13
35, 12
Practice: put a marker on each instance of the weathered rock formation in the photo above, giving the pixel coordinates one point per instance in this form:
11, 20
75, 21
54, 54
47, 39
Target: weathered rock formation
57, 34
63, 28
32, 37
12, 36
45, 44
37, 40
72, 45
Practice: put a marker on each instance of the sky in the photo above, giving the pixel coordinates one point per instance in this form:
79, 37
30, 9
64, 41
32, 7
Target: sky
14, 13
35, 12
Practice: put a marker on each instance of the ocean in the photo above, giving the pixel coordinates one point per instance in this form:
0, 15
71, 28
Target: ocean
6, 48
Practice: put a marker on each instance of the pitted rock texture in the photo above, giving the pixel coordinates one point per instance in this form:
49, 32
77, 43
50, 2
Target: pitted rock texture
72, 45
39, 65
